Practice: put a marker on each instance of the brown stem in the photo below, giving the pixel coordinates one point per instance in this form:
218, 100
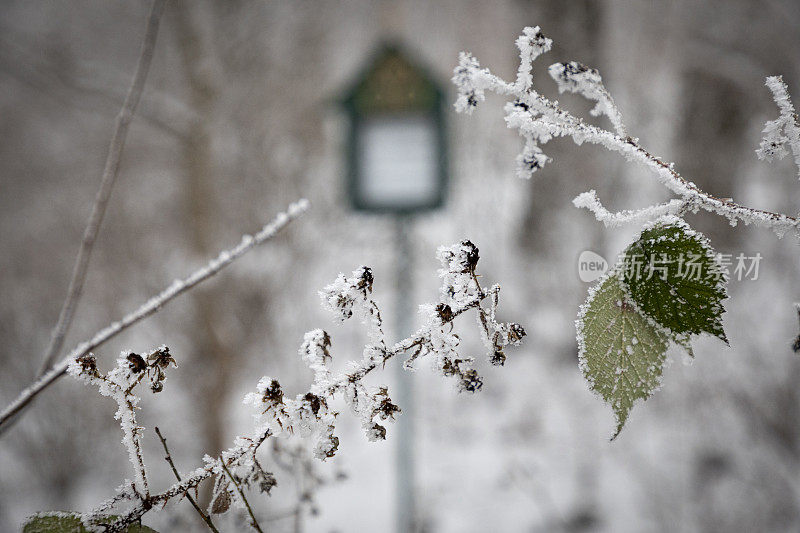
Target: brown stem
253, 521
168, 458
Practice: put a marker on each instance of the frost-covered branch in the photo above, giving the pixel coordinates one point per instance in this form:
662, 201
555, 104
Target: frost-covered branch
309, 415
589, 200
110, 171
153, 305
539, 119
783, 130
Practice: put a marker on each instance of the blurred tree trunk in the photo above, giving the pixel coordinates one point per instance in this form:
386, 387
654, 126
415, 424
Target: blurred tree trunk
213, 356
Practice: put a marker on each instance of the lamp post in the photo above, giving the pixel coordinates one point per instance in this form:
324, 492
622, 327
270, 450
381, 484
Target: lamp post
397, 162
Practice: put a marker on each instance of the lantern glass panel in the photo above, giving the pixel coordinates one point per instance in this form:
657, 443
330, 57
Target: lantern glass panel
398, 163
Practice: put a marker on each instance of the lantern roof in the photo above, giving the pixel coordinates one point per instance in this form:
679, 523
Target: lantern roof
392, 83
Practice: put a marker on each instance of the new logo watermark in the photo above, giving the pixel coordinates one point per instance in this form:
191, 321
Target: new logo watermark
592, 266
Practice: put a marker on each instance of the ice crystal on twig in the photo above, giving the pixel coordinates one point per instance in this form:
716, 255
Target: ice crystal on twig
783, 130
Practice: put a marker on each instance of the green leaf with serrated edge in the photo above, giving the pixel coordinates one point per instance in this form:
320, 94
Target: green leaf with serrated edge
69, 522
674, 276
621, 351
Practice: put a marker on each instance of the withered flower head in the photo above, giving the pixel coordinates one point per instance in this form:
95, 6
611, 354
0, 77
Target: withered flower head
451, 367
333, 442
515, 332
157, 378
326, 339
445, 312
262, 479
365, 279
88, 364
379, 431
471, 381
314, 401
161, 358
136, 363
498, 357
273, 394
472, 254
386, 409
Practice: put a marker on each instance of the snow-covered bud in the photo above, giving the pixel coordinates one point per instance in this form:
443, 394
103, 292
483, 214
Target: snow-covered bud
471, 381
532, 43
457, 273
530, 160
268, 392
461, 258
514, 333
316, 355
340, 296
312, 404
445, 312
327, 445
466, 77
575, 77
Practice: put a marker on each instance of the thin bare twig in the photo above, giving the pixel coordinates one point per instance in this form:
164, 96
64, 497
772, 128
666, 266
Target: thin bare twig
110, 172
144, 505
168, 458
253, 521
153, 305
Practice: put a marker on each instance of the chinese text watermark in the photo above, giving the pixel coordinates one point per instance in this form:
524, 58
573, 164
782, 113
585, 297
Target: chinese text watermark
690, 266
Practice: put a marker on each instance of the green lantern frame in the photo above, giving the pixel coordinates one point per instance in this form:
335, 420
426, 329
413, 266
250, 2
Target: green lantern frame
393, 86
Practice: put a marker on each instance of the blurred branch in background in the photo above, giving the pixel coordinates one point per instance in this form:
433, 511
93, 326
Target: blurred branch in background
152, 306
110, 172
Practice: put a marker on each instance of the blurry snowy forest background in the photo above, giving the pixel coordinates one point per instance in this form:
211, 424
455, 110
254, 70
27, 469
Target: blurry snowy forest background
239, 117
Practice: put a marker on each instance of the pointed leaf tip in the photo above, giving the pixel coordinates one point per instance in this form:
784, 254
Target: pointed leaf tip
621, 351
